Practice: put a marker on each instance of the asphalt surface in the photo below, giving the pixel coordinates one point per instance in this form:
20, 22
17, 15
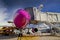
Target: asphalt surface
30, 38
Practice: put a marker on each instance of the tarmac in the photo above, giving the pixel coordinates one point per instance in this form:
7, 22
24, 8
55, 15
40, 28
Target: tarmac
30, 38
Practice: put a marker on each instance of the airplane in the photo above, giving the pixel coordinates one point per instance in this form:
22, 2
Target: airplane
21, 19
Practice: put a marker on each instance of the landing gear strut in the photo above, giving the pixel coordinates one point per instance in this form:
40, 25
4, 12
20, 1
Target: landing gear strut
20, 35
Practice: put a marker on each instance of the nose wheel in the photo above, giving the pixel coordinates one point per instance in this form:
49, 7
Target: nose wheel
20, 35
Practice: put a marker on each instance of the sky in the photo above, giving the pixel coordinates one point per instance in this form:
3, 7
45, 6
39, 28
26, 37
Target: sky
8, 7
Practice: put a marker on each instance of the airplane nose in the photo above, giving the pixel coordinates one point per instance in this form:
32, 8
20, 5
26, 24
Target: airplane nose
21, 19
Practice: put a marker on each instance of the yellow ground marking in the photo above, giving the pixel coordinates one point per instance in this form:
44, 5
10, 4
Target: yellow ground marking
29, 38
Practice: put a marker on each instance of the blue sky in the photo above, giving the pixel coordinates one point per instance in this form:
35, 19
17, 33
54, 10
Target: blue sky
49, 5
7, 7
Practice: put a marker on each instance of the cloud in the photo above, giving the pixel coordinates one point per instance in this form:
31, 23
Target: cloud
3, 16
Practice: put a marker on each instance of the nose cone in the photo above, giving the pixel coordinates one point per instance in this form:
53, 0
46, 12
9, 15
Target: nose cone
21, 19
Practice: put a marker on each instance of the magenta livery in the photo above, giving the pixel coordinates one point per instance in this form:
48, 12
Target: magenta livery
21, 19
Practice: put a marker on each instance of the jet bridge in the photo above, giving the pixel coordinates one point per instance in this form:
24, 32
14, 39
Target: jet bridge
47, 17
43, 16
